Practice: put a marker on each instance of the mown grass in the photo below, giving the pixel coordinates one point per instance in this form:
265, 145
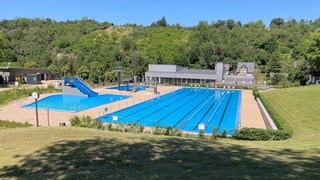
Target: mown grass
13, 94
300, 107
75, 153
12, 124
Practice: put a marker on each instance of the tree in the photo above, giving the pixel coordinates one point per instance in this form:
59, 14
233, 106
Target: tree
160, 23
277, 23
274, 63
3, 46
110, 76
181, 57
135, 61
83, 72
96, 72
313, 52
31, 64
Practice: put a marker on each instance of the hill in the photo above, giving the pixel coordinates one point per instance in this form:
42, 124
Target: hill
92, 50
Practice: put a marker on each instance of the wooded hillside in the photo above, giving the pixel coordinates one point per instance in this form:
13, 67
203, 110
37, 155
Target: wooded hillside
92, 50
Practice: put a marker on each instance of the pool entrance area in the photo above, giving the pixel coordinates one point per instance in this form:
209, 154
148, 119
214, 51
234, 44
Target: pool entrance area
68, 103
186, 109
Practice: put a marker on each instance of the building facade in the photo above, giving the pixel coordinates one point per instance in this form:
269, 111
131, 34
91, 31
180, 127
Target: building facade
174, 74
12, 74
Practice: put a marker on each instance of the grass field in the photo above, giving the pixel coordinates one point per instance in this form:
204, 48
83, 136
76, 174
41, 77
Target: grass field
66, 152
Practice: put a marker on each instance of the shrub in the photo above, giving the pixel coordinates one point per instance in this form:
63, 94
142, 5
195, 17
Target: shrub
252, 134
167, 131
224, 134
214, 134
133, 128
261, 134
201, 134
158, 131
85, 121
255, 92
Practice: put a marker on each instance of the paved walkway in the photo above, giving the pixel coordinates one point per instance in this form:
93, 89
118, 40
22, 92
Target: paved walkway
250, 114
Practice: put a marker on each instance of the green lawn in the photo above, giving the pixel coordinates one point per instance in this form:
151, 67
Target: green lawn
65, 152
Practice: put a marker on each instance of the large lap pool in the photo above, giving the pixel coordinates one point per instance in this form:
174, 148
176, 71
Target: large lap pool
185, 109
69, 103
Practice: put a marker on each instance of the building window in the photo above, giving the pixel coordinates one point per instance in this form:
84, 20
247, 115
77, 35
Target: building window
243, 70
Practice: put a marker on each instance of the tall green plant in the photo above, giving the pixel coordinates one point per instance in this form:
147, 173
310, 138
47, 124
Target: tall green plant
85, 121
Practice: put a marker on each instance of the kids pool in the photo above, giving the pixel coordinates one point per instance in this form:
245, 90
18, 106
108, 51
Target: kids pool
69, 103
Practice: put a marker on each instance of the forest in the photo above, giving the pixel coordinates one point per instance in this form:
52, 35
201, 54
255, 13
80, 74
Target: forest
285, 51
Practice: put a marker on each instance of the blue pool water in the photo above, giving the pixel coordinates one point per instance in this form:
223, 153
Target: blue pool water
69, 103
185, 109
129, 88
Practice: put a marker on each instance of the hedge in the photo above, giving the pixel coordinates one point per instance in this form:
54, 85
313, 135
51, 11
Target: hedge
261, 134
277, 119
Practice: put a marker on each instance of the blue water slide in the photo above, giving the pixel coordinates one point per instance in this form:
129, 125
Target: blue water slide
66, 81
83, 87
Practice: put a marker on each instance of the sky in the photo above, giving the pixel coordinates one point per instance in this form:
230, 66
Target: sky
144, 12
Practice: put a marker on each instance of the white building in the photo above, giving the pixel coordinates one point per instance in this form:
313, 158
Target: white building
174, 74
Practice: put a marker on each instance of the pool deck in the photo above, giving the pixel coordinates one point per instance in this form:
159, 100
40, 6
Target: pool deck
250, 113
14, 112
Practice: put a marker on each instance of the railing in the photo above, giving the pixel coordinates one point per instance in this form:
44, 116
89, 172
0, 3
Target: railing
83, 81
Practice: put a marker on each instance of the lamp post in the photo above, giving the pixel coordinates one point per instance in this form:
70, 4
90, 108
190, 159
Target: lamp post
36, 96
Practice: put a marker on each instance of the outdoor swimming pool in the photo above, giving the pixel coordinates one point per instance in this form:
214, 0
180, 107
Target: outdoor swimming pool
185, 109
69, 103
129, 88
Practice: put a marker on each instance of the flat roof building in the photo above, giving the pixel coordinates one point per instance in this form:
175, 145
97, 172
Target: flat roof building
12, 74
175, 74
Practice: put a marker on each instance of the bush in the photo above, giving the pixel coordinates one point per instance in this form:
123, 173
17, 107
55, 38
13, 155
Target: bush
261, 134
201, 134
255, 92
214, 134
85, 121
167, 131
252, 134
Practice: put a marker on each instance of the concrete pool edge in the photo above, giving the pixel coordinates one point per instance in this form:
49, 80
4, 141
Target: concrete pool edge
185, 109
250, 115
14, 112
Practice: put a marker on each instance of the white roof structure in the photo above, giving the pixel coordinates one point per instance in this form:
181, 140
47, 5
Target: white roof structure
175, 71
